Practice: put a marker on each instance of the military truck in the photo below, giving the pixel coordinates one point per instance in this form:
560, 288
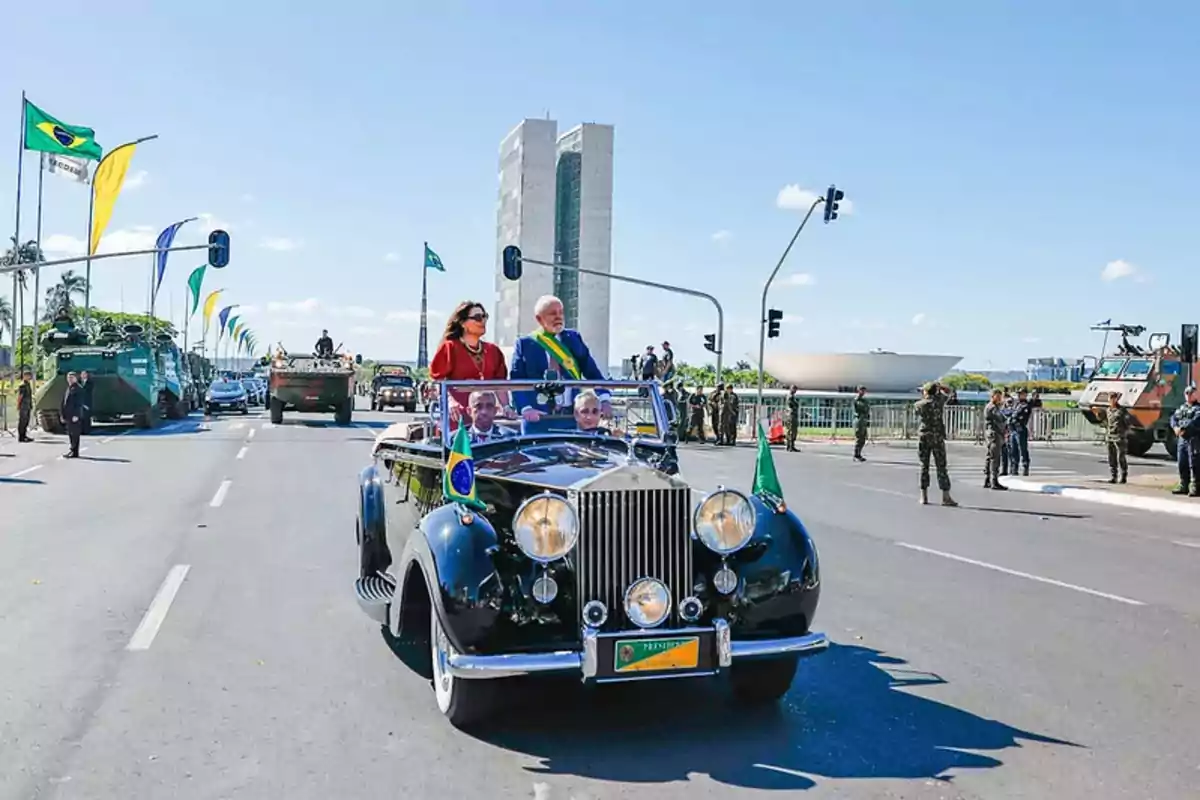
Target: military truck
132, 376
393, 385
1151, 381
313, 384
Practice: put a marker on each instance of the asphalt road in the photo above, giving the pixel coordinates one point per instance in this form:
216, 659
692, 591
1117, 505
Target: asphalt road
177, 621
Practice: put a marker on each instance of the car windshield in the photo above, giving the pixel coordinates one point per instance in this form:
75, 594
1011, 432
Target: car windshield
1137, 369
637, 408
1109, 369
396, 381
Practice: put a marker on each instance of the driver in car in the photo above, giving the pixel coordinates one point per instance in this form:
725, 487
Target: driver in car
484, 405
587, 412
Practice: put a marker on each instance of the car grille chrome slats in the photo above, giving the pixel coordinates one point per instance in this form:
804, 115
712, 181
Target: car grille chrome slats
626, 535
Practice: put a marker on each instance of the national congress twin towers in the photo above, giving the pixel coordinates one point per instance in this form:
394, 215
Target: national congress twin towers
556, 205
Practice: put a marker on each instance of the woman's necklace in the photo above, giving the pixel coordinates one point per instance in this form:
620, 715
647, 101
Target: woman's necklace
476, 354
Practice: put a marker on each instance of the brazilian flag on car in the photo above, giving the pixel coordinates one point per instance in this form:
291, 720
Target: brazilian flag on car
458, 481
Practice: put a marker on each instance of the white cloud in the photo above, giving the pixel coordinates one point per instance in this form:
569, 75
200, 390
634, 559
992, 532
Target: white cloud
799, 279
392, 257
792, 318
300, 307
138, 237
403, 316
354, 312
60, 244
362, 330
209, 223
722, 236
280, 244
918, 319
135, 181
1115, 270
793, 198
243, 310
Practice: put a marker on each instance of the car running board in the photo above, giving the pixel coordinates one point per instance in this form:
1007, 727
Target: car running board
374, 595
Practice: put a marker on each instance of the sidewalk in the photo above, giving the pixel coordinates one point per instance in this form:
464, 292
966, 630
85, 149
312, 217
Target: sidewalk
1146, 493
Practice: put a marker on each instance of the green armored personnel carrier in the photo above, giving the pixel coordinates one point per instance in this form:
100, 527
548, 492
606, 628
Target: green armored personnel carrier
309, 383
1150, 380
132, 376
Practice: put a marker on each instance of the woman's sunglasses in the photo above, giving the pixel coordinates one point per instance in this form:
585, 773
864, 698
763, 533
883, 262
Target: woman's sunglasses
481, 316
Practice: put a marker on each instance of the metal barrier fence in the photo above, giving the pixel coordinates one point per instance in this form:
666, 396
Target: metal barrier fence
822, 418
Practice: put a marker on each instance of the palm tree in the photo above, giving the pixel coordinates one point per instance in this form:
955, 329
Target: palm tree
27, 253
61, 296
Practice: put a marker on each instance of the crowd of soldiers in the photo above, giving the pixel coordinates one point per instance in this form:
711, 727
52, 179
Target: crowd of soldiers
722, 407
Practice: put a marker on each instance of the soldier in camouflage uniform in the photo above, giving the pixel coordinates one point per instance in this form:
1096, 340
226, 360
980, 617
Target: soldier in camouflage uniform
995, 424
696, 415
1186, 424
681, 415
730, 410
1116, 437
793, 419
931, 440
715, 401
862, 421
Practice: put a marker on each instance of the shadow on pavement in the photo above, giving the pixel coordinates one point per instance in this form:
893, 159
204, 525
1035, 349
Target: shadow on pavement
846, 717
1054, 514
22, 480
105, 459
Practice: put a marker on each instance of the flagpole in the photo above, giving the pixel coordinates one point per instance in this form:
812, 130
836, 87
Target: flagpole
17, 231
87, 289
37, 273
422, 343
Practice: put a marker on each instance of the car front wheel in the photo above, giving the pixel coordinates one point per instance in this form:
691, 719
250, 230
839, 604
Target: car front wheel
463, 702
760, 682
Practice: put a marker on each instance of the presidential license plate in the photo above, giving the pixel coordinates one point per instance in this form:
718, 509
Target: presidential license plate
652, 655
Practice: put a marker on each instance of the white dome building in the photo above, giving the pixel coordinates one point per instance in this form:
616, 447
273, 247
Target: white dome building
879, 371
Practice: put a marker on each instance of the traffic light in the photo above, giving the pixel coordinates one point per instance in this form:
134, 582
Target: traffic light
710, 342
218, 249
831, 202
1187, 343
512, 262
773, 317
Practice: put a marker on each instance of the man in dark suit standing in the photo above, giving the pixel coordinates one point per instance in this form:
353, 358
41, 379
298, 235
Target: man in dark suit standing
72, 413
552, 347
87, 387
24, 406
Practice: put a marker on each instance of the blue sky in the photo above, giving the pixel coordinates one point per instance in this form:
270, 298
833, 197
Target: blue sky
1002, 161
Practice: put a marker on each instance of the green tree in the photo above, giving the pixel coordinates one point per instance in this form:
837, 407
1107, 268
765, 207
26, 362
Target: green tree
62, 295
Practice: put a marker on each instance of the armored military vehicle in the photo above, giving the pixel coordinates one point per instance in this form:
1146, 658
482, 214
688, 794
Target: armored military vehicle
393, 385
132, 376
309, 383
1151, 381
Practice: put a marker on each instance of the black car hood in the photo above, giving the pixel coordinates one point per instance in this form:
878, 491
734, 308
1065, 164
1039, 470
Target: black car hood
563, 464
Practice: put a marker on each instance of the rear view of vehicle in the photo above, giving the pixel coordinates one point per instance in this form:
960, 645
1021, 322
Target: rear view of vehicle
312, 385
228, 396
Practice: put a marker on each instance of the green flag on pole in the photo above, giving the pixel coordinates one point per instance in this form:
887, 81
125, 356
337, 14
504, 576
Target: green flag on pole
433, 260
45, 134
195, 281
766, 480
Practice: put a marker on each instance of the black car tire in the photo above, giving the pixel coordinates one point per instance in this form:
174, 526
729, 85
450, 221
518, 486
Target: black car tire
276, 411
761, 682
466, 703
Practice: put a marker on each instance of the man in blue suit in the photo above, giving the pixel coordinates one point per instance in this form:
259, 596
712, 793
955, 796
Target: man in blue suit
552, 347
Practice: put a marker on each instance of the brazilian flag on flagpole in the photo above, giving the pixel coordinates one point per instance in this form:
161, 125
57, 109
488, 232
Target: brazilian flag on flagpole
458, 481
433, 260
45, 134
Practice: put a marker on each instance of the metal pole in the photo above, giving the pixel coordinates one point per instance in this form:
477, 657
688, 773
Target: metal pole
37, 274
17, 231
423, 338
654, 285
762, 322
123, 254
87, 289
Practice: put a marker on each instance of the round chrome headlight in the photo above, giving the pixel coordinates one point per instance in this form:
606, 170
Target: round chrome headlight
647, 602
546, 527
724, 521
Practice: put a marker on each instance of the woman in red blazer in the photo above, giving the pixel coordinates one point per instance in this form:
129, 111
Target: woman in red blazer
464, 356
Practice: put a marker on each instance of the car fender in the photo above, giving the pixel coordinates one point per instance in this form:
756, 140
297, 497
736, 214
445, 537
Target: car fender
454, 549
374, 555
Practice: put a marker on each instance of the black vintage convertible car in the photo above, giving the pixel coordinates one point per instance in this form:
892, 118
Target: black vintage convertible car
560, 546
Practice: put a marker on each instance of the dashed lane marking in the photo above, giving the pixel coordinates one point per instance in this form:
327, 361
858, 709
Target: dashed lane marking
219, 497
26, 471
1015, 573
1179, 542
241, 454
250, 435
143, 637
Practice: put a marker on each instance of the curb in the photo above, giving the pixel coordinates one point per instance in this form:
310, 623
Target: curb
1105, 497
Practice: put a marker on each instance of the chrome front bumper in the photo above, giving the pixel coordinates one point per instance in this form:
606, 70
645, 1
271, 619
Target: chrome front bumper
584, 661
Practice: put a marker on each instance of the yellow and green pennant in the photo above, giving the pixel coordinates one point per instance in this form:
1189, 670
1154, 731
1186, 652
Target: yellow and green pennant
458, 481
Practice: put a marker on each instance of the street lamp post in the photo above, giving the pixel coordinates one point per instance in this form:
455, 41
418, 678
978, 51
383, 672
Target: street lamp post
87, 289
762, 321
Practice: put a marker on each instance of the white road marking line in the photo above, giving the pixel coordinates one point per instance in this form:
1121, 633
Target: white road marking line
26, 471
1018, 574
1173, 541
250, 435
219, 497
107, 439
237, 426
241, 454
143, 637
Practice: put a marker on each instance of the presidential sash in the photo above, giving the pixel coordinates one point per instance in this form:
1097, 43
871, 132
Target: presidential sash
555, 350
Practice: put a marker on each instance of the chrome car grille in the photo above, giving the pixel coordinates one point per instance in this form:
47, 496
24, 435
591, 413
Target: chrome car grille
626, 535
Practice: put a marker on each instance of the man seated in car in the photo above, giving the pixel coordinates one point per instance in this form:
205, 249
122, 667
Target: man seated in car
484, 405
551, 347
587, 412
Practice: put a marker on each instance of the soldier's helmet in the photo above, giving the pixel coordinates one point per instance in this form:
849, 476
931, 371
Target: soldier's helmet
929, 387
